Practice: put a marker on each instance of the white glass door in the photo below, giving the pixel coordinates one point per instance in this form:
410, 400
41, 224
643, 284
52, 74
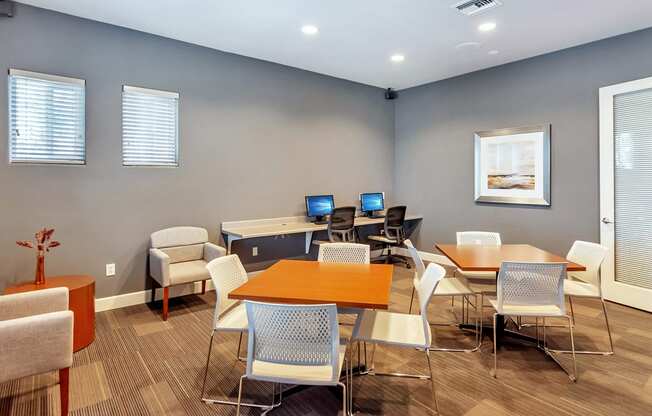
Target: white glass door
626, 192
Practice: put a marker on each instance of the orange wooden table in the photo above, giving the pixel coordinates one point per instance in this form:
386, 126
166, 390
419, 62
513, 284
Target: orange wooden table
486, 258
311, 282
481, 258
81, 301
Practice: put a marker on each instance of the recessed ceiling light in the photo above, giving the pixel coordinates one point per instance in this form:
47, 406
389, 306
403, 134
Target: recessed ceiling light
397, 58
465, 45
487, 27
493, 52
310, 30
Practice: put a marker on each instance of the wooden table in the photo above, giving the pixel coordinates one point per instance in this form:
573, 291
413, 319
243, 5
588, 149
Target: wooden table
480, 258
81, 301
486, 258
311, 282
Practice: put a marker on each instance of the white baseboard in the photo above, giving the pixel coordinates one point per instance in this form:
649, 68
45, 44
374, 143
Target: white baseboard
145, 296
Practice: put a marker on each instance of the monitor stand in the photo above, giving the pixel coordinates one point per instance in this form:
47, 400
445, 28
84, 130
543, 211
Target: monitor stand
320, 219
370, 214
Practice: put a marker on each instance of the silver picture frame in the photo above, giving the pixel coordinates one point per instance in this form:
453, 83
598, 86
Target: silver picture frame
543, 158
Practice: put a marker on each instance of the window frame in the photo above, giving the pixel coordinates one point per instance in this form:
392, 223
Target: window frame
159, 93
45, 77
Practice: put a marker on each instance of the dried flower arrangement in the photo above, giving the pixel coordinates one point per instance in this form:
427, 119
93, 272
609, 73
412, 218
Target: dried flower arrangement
43, 245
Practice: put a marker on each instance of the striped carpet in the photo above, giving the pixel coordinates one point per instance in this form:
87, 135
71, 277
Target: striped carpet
140, 365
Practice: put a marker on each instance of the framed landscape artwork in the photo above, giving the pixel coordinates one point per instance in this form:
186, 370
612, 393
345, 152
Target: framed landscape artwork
512, 166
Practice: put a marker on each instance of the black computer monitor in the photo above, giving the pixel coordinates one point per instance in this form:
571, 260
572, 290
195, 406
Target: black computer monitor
371, 202
319, 206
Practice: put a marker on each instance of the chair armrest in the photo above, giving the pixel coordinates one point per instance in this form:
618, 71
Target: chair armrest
159, 266
35, 344
20, 305
213, 251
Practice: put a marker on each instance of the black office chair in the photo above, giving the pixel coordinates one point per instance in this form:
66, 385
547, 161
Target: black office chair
341, 228
393, 234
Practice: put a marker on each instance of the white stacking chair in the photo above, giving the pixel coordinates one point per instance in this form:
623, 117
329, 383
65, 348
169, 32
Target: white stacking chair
402, 329
451, 286
587, 284
294, 344
351, 253
483, 238
534, 290
227, 274
481, 282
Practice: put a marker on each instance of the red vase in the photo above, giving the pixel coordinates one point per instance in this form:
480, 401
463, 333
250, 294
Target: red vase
39, 277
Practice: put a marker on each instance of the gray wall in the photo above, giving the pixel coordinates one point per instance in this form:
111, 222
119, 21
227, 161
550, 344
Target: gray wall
255, 138
434, 141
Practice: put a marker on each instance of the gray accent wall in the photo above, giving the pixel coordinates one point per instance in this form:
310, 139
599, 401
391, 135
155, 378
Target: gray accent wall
255, 137
435, 123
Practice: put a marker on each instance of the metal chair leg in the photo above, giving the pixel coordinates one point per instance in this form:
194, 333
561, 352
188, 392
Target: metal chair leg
432, 382
572, 339
478, 314
587, 352
478, 327
372, 371
344, 398
551, 353
570, 303
606, 320
226, 402
237, 355
411, 301
208, 360
495, 349
350, 376
237, 409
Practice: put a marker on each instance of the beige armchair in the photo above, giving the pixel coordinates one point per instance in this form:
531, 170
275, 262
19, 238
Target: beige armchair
179, 255
36, 336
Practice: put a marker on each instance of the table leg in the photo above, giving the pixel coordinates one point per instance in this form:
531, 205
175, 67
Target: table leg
500, 330
229, 241
308, 241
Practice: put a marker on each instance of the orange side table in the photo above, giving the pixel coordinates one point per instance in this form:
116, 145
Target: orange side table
81, 301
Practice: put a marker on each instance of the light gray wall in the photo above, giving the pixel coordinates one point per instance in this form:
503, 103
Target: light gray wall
434, 141
255, 138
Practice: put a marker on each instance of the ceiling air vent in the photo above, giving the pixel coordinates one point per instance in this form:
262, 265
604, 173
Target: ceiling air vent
471, 7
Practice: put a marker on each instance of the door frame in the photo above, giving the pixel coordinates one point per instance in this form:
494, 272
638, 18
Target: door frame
629, 295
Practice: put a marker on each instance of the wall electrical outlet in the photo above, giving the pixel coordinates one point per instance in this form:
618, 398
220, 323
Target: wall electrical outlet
110, 269
254, 251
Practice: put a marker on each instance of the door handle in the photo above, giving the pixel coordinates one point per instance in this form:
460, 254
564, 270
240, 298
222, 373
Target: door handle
606, 220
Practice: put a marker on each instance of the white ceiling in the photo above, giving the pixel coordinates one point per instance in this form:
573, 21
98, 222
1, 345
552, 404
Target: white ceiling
357, 37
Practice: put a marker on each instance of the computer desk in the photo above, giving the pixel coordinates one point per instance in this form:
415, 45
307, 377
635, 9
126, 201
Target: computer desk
238, 230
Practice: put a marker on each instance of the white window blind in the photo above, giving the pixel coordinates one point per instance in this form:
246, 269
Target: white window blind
149, 127
46, 118
633, 187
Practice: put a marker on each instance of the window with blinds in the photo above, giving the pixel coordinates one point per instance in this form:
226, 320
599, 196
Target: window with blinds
633, 187
46, 118
150, 127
